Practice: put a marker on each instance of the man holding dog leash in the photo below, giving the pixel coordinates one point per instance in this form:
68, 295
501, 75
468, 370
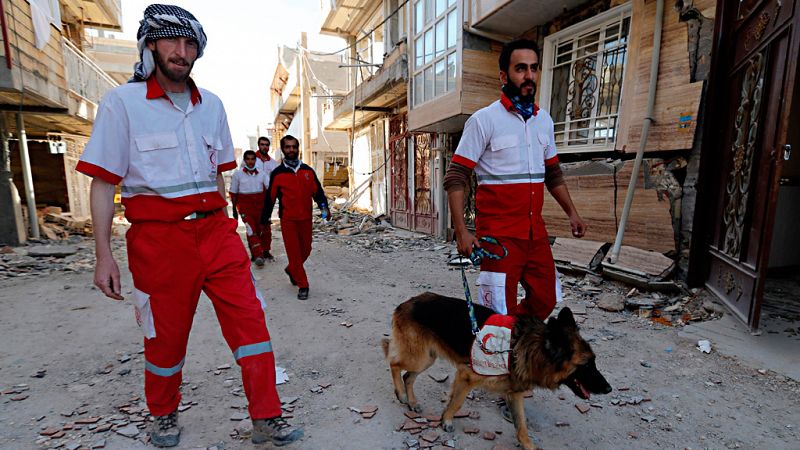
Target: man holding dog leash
510, 145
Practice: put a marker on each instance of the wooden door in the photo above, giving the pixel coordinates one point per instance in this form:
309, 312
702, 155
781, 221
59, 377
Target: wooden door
400, 208
424, 217
754, 73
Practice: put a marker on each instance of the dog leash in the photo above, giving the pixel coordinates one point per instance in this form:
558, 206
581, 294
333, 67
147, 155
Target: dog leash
476, 257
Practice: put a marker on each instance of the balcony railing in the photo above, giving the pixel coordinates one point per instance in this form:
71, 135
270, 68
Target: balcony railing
84, 77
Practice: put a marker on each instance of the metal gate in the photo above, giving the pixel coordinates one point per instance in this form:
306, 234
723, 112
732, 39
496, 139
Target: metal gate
400, 210
411, 200
424, 217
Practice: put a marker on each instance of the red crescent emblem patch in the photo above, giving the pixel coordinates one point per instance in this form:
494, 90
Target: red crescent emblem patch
484, 341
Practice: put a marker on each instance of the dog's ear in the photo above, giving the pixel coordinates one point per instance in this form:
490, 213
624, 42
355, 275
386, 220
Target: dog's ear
556, 343
566, 319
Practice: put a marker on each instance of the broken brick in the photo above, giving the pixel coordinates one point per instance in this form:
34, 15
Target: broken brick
489, 436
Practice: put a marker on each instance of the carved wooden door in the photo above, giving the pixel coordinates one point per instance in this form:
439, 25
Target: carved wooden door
400, 208
754, 76
424, 216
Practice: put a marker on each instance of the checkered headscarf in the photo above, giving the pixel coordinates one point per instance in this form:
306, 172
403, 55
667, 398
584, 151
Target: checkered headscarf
163, 21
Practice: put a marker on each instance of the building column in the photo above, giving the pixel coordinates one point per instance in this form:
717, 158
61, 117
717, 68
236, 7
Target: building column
12, 226
27, 177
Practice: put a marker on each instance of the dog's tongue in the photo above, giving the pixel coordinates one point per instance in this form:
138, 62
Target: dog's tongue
586, 394
584, 391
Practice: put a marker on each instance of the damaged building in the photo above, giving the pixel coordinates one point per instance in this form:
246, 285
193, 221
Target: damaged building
49, 91
715, 188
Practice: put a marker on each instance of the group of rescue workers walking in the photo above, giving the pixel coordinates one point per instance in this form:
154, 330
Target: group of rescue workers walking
167, 142
258, 185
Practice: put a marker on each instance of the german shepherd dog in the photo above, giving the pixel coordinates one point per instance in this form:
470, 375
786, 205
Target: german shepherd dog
544, 355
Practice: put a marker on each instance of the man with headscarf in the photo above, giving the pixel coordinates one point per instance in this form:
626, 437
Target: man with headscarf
167, 142
295, 184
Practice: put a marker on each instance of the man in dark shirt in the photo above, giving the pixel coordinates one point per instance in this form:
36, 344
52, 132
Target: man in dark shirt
295, 184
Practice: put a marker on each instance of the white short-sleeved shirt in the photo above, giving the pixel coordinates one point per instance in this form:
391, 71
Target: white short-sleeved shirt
509, 155
167, 160
246, 182
265, 165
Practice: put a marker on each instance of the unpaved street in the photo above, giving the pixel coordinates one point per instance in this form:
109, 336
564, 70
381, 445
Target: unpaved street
87, 350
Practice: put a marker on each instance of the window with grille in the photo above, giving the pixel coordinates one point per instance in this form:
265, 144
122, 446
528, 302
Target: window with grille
435, 32
582, 72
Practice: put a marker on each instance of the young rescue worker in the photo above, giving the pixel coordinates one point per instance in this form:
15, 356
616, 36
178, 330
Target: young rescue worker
248, 189
511, 147
295, 184
266, 164
167, 142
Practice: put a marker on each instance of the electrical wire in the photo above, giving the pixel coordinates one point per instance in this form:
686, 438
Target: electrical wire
396, 10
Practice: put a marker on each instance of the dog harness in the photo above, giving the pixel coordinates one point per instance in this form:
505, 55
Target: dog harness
492, 346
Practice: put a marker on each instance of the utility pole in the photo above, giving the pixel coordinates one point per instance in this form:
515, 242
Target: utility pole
305, 97
27, 177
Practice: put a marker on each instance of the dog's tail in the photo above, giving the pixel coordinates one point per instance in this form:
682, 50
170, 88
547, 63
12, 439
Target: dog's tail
385, 344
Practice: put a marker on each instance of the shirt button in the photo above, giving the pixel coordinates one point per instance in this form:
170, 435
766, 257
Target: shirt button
204, 200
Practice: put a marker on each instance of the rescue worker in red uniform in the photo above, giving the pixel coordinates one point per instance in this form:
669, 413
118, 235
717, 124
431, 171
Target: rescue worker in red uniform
295, 184
510, 145
167, 142
266, 164
248, 190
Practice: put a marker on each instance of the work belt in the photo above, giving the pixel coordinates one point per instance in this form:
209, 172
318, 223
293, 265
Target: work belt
202, 214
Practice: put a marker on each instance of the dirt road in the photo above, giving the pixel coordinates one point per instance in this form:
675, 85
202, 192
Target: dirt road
71, 366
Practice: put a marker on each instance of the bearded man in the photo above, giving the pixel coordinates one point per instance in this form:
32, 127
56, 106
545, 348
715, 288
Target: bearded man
167, 142
510, 145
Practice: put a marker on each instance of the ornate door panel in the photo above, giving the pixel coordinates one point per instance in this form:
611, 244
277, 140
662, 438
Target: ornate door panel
400, 208
755, 72
424, 216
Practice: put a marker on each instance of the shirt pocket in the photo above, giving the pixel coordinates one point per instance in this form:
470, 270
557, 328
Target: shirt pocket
160, 157
505, 155
213, 147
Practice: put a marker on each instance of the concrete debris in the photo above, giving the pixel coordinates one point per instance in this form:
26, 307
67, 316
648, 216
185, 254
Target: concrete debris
42, 260
130, 431
611, 302
439, 377
367, 233
58, 251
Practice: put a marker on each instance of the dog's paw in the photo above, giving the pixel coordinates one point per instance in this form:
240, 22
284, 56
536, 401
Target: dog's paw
401, 398
448, 427
416, 408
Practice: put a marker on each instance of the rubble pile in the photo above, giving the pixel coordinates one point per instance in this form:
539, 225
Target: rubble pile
37, 260
371, 233
56, 225
677, 309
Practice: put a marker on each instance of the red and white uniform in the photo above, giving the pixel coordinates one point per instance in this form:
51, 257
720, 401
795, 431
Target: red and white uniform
167, 161
265, 164
294, 188
509, 155
248, 190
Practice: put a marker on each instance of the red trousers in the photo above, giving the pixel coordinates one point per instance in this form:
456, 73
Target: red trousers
297, 240
171, 263
529, 262
259, 237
